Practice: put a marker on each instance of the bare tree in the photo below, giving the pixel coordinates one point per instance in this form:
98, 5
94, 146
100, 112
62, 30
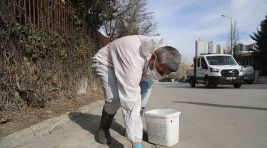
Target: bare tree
129, 17
235, 38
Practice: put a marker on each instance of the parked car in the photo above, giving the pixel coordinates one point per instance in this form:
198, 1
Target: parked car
249, 73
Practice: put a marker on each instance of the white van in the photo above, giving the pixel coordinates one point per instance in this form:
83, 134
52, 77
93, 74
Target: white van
214, 69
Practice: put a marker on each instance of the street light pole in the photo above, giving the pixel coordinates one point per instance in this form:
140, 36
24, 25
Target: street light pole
231, 33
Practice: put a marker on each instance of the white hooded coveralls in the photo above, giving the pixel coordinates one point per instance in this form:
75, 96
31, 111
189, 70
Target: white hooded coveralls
122, 66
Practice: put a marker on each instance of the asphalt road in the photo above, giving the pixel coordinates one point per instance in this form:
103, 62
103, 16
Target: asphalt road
224, 117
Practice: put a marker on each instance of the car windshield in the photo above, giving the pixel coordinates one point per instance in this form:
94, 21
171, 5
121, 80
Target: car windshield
221, 60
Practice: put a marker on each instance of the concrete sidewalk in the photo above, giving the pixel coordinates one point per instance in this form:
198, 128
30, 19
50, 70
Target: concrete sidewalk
73, 129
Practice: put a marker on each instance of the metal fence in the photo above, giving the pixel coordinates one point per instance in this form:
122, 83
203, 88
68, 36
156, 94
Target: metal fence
45, 15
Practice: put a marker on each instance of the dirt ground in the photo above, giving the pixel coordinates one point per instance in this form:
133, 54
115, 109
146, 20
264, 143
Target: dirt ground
31, 116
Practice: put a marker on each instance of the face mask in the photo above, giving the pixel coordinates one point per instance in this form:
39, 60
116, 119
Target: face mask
154, 74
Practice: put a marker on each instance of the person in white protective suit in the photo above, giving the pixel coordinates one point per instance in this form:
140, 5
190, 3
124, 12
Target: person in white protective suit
128, 68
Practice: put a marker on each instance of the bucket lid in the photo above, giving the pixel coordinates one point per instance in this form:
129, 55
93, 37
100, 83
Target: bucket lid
163, 113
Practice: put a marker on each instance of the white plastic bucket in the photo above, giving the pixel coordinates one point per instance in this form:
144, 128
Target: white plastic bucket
163, 126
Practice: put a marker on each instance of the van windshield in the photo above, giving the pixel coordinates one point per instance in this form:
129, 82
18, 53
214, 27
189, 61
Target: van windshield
220, 60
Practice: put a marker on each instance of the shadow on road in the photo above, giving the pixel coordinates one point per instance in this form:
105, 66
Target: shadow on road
90, 123
220, 105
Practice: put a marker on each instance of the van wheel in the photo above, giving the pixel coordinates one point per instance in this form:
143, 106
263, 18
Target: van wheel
214, 85
192, 82
208, 83
250, 82
237, 85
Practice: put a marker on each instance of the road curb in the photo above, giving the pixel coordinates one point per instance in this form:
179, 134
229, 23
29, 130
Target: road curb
40, 129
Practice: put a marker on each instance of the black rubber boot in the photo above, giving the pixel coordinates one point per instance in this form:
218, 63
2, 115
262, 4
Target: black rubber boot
145, 135
103, 134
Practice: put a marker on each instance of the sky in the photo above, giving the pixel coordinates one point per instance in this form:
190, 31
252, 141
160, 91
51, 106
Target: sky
181, 22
